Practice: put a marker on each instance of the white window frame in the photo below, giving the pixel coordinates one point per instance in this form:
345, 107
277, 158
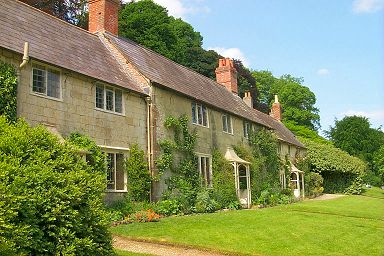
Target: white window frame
106, 89
199, 110
207, 158
116, 151
247, 128
45, 70
229, 124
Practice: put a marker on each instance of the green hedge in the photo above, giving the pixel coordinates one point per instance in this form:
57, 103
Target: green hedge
341, 172
50, 199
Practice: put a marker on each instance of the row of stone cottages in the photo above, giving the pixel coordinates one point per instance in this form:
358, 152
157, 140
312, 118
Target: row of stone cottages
119, 92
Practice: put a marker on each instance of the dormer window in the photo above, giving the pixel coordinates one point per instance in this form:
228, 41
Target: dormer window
108, 98
199, 114
46, 81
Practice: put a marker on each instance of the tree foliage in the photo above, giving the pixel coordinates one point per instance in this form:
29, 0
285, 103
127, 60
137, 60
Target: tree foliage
8, 90
73, 11
297, 101
354, 135
50, 199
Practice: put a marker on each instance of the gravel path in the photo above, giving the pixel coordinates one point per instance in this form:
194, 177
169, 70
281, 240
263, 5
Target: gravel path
126, 244
327, 196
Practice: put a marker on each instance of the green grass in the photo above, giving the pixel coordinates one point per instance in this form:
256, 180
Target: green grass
374, 192
124, 253
351, 225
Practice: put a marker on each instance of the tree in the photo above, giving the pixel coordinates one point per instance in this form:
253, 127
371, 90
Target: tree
51, 200
73, 11
297, 101
355, 135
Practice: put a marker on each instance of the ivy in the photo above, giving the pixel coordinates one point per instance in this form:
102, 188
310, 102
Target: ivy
8, 90
179, 158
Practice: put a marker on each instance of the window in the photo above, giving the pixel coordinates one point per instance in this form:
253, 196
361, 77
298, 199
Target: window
108, 98
199, 114
247, 127
227, 123
289, 150
116, 177
46, 81
205, 170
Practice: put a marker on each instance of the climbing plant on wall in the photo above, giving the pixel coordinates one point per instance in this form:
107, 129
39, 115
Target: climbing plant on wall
179, 158
8, 90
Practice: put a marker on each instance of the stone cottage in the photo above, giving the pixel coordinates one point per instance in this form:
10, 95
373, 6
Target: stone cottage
119, 92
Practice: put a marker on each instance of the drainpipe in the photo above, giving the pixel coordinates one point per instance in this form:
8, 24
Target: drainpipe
26, 55
148, 100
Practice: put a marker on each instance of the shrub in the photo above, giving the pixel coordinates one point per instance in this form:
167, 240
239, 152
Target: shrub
341, 172
168, 207
313, 183
50, 199
224, 190
142, 216
139, 178
8, 90
205, 202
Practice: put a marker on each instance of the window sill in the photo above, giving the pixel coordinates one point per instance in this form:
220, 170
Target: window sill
109, 112
115, 191
200, 125
229, 133
46, 97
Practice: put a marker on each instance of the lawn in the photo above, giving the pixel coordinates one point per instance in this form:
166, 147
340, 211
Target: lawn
350, 225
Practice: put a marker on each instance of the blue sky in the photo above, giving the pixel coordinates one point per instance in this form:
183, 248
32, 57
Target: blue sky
337, 46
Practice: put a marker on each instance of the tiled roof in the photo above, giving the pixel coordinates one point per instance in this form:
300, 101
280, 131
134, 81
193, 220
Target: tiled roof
64, 45
194, 85
183, 80
59, 43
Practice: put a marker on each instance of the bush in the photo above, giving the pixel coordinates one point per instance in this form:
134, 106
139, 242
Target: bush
168, 207
341, 172
139, 178
51, 201
205, 202
8, 90
313, 184
224, 190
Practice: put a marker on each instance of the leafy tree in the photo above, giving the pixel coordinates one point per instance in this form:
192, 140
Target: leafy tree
51, 201
354, 135
305, 132
73, 11
297, 101
378, 164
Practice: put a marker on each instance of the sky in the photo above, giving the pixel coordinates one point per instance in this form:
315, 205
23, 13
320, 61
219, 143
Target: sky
337, 46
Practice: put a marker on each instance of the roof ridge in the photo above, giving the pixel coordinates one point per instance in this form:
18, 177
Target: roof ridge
54, 17
168, 59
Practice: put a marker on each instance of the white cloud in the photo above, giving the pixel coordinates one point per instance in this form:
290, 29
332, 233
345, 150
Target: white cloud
323, 72
234, 53
376, 117
367, 6
179, 9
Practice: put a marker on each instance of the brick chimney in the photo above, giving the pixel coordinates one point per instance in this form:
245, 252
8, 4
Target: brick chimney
226, 74
276, 109
248, 99
103, 16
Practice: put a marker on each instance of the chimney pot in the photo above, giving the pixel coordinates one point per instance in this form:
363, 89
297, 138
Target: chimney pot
248, 99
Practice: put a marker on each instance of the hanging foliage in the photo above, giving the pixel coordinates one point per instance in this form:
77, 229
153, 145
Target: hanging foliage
8, 90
